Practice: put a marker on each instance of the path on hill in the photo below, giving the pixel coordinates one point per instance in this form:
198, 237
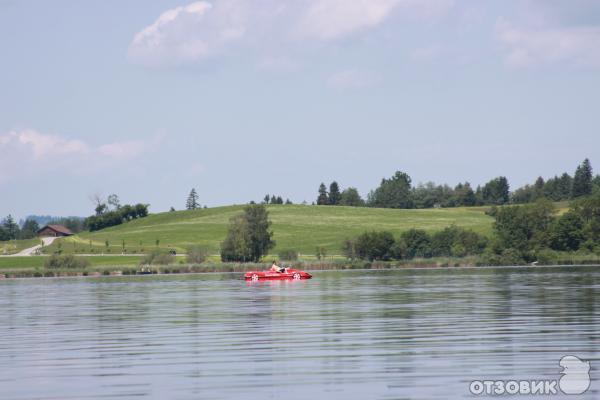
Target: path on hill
32, 250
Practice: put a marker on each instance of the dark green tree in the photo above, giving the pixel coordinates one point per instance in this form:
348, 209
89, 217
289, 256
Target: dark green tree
351, 197
334, 194
3, 234
192, 200
596, 185
323, 198
567, 232
11, 227
496, 191
394, 192
374, 246
582, 181
236, 246
418, 243
524, 228
464, 195
249, 237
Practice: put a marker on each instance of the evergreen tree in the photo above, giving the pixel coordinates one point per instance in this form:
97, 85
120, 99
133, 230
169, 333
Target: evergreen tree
323, 199
192, 200
334, 194
538, 188
273, 200
288, 201
266, 199
279, 200
10, 226
582, 181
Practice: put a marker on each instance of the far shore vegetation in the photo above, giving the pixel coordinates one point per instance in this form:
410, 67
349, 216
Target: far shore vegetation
551, 221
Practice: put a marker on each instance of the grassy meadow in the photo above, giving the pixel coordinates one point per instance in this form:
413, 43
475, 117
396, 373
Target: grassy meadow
298, 227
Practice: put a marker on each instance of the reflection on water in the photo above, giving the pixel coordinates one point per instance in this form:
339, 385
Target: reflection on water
348, 335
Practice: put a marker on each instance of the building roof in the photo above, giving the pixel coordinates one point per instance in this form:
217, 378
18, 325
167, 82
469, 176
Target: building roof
57, 228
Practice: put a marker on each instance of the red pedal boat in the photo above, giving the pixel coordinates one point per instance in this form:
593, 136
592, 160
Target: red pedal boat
289, 273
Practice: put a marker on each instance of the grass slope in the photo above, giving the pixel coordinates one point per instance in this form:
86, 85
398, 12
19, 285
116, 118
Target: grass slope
297, 227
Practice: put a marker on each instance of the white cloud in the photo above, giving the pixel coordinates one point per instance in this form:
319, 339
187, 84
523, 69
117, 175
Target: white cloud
332, 19
25, 152
352, 79
192, 33
205, 30
572, 45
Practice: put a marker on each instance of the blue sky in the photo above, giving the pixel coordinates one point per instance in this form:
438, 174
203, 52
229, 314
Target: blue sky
239, 98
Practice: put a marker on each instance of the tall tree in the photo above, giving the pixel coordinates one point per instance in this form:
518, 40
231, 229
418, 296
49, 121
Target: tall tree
192, 200
394, 192
582, 181
323, 198
496, 191
249, 237
334, 194
11, 227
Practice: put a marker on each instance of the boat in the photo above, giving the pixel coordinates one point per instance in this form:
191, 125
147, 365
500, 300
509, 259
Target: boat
288, 273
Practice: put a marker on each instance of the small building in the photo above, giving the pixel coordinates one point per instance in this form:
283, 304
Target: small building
54, 230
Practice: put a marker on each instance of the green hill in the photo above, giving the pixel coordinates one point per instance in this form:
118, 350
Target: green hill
297, 227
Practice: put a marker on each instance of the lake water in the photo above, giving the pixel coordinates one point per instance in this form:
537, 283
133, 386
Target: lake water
342, 335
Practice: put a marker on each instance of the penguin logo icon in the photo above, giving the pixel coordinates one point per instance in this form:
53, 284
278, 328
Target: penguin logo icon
575, 373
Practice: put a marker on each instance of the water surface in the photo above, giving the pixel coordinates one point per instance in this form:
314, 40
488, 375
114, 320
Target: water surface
344, 334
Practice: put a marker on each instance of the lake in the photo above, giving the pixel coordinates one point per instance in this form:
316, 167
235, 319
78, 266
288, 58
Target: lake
386, 334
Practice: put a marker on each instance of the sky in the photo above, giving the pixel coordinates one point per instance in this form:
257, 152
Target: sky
238, 98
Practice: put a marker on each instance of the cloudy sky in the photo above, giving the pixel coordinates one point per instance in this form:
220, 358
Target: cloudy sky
239, 98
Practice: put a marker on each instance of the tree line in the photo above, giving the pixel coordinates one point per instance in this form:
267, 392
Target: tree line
521, 234
112, 213
398, 191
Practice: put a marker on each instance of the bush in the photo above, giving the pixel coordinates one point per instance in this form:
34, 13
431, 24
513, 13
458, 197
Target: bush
418, 243
158, 257
288, 255
374, 246
68, 261
196, 254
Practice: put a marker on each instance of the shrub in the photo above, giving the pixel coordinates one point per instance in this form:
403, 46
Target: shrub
418, 243
374, 246
68, 261
288, 255
158, 257
196, 254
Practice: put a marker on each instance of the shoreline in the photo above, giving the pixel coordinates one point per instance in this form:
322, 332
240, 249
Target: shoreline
199, 269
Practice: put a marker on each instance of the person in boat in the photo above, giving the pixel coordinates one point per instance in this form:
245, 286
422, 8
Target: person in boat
276, 268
